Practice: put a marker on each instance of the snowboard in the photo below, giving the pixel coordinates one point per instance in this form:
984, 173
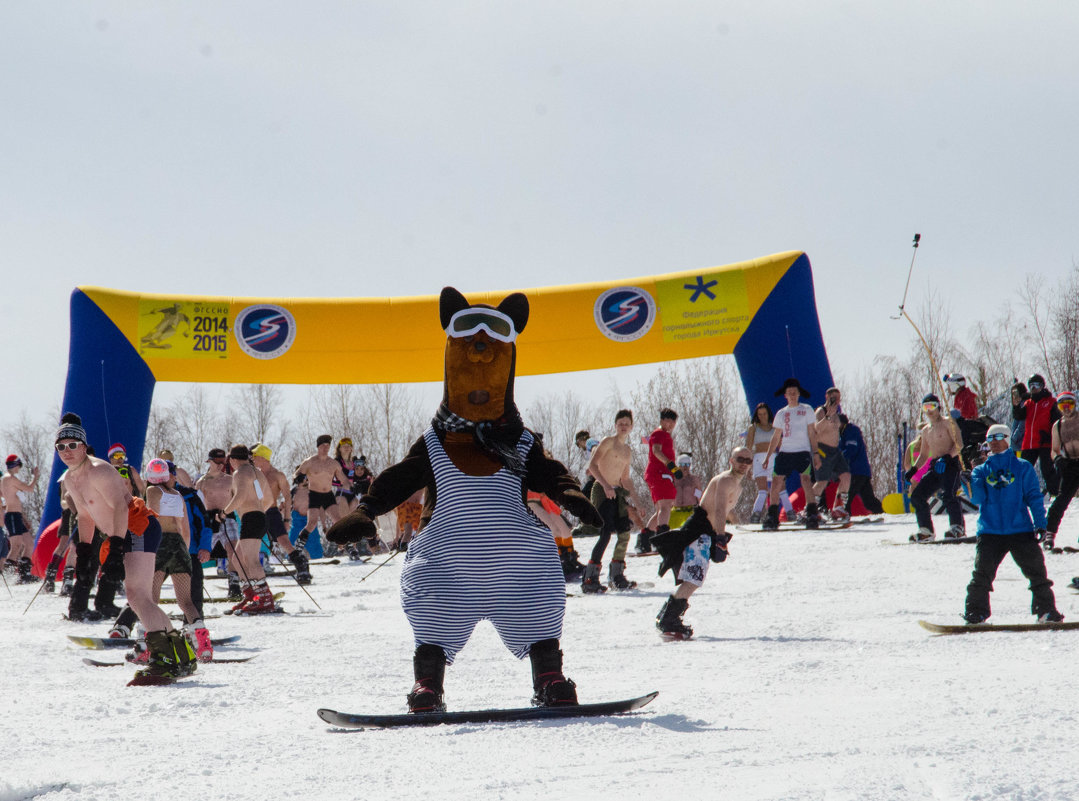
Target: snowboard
974, 628
345, 720
670, 636
1065, 549
941, 541
641, 585
99, 643
215, 660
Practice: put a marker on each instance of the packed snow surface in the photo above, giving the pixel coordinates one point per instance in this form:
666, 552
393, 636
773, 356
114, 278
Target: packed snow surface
808, 678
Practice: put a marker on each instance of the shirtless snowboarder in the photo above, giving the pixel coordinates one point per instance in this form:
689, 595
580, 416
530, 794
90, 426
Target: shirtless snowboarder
702, 539
613, 488
252, 495
940, 445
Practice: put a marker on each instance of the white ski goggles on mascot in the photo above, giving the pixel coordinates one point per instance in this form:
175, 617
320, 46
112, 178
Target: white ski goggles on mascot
470, 321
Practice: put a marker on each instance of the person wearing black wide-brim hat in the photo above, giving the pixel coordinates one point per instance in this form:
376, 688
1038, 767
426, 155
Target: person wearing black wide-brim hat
792, 382
794, 443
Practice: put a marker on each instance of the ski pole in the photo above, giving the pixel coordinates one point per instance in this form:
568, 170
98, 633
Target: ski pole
36, 594
386, 562
293, 575
9, 592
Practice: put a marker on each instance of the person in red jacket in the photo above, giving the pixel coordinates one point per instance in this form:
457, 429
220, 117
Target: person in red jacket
1039, 411
963, 399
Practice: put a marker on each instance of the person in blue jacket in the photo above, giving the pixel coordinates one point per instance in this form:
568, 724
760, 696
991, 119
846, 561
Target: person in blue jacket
852, 443
1011, 520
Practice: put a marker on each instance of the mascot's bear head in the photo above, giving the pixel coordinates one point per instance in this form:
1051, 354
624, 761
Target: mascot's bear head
481, 355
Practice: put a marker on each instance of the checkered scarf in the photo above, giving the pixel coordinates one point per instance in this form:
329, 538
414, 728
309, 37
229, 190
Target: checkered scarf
497, 438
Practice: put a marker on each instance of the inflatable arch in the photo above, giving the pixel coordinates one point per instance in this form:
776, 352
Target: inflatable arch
763, 311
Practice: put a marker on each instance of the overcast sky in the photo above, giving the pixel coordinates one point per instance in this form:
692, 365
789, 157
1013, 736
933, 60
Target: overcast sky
390, 148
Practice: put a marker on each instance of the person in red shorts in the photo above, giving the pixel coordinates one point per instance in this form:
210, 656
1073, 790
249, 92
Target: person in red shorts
659, 476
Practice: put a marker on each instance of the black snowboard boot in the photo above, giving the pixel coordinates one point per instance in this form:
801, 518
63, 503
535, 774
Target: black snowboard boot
616, 577
644, 541
590, 583
429, 668
105, 601
50, 574
303, 566
669, 621
812, 516
550, 686
771, 520
571, 563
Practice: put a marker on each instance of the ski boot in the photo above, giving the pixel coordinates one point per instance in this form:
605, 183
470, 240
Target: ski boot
429, 668
755, 518
669, 620
303, 566
839, 510
1052, 616
67, 583
247, 597
80, 593
139, 654
550, 686
974, 616
616, 577
186, 663
262, 602
222, 568
1049, 540
25, 574
199, 638
236, 591
104, 601
50, 574
163, 665
590, 583
923, 535
771, 520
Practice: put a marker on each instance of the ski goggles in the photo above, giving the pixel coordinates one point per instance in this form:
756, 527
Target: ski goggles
1037, 385
473, 320
996, 438
1067, 403
930, 406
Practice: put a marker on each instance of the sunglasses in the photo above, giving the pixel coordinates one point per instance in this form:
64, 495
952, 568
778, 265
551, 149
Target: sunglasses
743, 460
996, 438
67, 446
471, 321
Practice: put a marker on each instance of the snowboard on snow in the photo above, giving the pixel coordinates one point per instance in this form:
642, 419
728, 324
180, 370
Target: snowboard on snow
345, 720
941, 541
641, 585
756, 527
100, 643
975, 628
215, 661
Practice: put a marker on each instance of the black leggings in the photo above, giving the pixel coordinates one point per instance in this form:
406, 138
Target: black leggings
1069, 483
862, 486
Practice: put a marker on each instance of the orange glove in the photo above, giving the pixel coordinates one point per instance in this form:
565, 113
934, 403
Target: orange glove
103, 554
138, 516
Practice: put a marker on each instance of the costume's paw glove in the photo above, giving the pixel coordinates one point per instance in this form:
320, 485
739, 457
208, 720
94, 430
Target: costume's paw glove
676, 471
578, 505
719, 547
353, 527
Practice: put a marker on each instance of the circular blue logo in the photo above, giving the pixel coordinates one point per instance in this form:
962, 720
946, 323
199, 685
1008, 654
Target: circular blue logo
265, 331
625, 313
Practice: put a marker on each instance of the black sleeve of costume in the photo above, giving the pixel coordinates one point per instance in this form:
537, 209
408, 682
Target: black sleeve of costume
396, 483
550, 477
672, 544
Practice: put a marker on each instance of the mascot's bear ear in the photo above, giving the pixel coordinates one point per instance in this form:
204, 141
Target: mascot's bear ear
515, 307
449, 303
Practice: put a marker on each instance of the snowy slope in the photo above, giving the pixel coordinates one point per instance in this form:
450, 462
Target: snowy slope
809, 679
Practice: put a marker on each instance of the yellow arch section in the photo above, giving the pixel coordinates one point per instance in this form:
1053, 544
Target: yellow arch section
198, 339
